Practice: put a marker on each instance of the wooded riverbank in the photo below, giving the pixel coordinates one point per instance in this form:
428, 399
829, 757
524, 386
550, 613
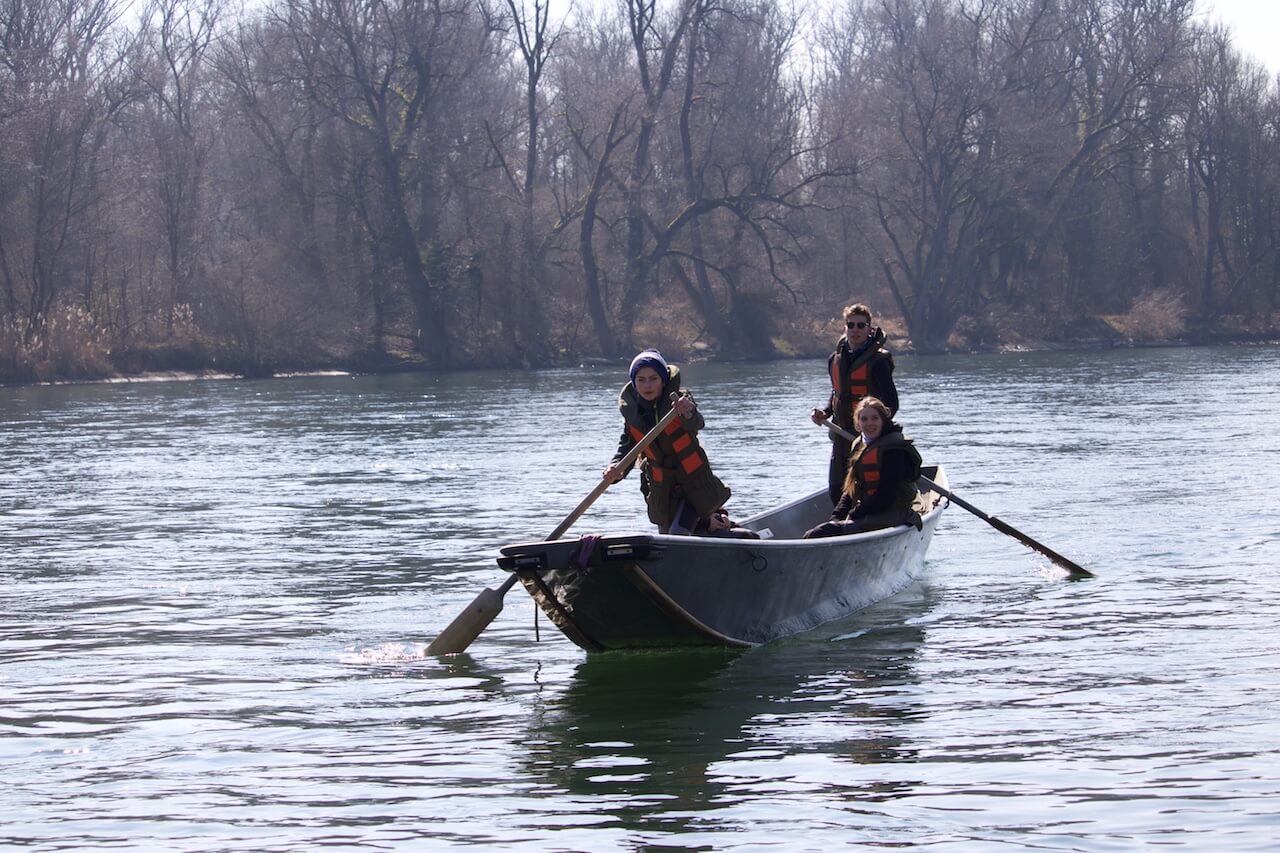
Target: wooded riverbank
1093, 334
377, 185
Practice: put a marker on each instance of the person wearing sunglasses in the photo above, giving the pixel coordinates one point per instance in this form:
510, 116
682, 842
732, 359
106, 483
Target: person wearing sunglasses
860, 367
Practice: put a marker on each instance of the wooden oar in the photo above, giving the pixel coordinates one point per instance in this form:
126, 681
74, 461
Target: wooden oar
1074, 569
468, 624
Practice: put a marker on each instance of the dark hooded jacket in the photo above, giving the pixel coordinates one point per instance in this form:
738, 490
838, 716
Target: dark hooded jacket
674, 466
884, 476
872, 359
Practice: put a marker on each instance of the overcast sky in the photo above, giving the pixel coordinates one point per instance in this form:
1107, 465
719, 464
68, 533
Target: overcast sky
1256, 27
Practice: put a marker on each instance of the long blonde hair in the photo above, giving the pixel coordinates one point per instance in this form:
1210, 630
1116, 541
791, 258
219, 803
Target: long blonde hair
851, 481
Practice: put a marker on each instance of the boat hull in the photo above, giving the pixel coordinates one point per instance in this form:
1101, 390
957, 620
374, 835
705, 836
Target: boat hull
658, 591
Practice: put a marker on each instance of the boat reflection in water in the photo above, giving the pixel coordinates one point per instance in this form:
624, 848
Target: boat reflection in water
668, 730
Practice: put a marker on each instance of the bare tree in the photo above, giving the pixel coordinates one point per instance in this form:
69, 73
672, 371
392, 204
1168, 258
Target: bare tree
708, 92
179, 33
535, 41
389, 69
61, 81
1227, 193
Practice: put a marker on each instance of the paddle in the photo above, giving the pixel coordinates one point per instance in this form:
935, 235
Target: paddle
1073, 568
468, 624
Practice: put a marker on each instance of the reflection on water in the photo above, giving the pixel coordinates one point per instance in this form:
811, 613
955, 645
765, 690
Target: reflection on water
640, 727
667, 731
214, 595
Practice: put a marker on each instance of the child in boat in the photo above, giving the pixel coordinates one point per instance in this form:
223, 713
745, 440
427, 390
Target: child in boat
681, 492
880, 486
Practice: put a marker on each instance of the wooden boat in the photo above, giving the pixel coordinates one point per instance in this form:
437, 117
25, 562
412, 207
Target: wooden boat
658, 591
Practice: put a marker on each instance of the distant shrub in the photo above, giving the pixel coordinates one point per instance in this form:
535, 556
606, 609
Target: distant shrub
64, 345
1160, 315
15, 364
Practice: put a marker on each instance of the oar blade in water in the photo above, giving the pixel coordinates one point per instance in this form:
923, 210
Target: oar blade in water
468, 624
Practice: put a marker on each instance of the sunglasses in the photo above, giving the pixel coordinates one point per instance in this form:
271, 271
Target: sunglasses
856, 324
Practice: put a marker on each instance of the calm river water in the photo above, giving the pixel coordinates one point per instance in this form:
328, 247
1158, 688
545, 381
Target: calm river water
214, 596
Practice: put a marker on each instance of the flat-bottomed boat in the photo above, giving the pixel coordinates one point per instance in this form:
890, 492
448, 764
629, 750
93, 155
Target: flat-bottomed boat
650, 590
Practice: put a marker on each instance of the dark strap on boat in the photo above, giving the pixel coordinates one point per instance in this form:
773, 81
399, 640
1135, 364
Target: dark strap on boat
586, 550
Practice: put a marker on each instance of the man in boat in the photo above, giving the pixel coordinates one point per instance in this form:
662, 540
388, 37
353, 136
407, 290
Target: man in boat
681, 492
880, 489
860, 367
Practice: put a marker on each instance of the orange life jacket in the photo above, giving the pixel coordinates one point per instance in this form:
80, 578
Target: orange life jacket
688, 453
859, 378
867, 471
675, 464
866, 467
849, 389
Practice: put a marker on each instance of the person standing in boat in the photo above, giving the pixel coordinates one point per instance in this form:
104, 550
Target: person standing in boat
880, 488
860, 367
680, 490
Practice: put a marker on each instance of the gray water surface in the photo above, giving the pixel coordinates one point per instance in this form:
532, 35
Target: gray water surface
214, 596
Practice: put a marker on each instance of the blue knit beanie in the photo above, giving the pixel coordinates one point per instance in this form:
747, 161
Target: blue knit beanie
650, 358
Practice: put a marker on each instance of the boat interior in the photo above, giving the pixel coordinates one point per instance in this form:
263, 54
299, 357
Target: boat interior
790, 521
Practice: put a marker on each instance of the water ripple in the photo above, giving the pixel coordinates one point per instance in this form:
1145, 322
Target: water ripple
216, 597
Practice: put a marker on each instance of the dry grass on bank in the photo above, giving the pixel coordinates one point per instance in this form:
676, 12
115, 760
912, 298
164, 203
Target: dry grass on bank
1155, 317
66, 346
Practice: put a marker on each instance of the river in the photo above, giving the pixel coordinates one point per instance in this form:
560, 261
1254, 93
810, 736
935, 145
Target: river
214, 596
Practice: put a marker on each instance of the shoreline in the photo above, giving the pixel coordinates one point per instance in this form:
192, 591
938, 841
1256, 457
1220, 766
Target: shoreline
1094, 345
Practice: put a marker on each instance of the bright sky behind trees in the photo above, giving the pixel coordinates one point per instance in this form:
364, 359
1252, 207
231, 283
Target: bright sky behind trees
1255, 25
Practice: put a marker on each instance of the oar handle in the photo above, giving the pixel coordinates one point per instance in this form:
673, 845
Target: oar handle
839, 430
623, 463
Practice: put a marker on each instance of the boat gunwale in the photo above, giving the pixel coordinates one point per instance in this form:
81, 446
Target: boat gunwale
717, 542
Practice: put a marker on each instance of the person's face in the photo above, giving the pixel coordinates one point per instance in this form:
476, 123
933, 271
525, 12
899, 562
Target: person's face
870, 423
857, 329
648, 383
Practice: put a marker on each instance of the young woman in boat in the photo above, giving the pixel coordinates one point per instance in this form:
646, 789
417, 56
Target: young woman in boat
681, 492
880, 486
